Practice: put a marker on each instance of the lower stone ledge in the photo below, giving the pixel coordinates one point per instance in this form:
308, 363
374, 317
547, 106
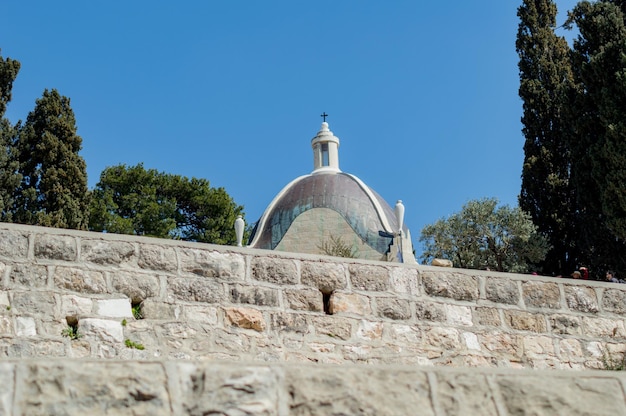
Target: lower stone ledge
63, 386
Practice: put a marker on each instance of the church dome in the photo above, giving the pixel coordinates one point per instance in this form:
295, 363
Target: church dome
328, 203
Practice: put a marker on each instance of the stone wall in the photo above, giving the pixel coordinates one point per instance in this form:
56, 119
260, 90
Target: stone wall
104, 298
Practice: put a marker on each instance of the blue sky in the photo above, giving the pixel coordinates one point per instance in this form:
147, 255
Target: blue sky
423, 95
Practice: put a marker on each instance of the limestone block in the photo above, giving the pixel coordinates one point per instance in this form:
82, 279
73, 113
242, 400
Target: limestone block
7, 392
29, 275
212, 264
79, 280
159, 258
137, 286
405, 334
13, 245
442, 338
73, 305
487, 316
333, 327
33, 303
33, 347
318, 391
471, 341
105, 330
451, 285
502, 344
156, 310
582, 299
6, 325
349, 303
368, 277
246, 318
275, 270
4, 300
540, 346
393, 308
254, 295
227, 391
430, 311
90, 388
570, 349
326, 277
501, 290
202, 314
25, 326
289, 322
113, 308
565, 325
614, 300
525, 321
404, 281
196, 290
368, 330
441, 263
573, 395
463, 394
458, 315
304, 299
104, 252
603, 328
233, 342
541, 294
55, 247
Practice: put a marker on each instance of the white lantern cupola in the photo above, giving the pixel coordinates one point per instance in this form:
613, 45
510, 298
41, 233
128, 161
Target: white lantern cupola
325, 151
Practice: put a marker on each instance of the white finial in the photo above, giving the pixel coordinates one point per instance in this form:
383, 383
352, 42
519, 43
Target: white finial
400, 215
239, 226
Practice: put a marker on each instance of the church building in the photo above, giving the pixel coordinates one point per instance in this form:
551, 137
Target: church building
328, 207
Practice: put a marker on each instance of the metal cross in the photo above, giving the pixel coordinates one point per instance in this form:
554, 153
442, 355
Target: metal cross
324, 115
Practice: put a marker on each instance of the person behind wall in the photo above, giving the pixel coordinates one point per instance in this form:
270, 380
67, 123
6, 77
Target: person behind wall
576, 275
610, 277
584, 273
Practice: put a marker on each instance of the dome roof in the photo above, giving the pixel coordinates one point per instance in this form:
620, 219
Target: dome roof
369, 216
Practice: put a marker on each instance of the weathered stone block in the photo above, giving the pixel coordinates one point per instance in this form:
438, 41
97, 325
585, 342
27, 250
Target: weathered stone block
581, 299
393, 308
33, 303
156, 310
441, 338
275, 270
13, 244
30, 275
349, 303
458, 315
102, 252
113, 308
253, 295
201, 314
603, 328
368, 277
7, 375
525, 321
506, 346
614, 300
369, 331
541, 295
55, 247
212, 264
90, 388
451, 285
72, 305
159, 258
246, 318
404, 281
196, 290
501, 290
332, 327
304, 299
79, 280
137, 286
487, 316
25, 326
462, 394
430, 311
326, 277
565, 324
289, 322
105, 330
6, 326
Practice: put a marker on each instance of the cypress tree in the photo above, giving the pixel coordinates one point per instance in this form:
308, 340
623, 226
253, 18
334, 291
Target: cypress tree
546, 83
9, 178
53, 191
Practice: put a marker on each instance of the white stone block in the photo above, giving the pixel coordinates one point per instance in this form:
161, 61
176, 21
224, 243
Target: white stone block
25, 327
103, 329
114, 308
471, 341
72, 305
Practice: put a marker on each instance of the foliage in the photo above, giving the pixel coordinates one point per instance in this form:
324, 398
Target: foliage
483, 236
132, 344
335, 246
71, 332
133, 200
546, 83
137, 312
9, 176
53, 190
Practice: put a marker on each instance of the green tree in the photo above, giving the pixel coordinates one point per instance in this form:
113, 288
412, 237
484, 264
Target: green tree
546, 87
599, 148
53, 190
133, 200
9, 178
484, 235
